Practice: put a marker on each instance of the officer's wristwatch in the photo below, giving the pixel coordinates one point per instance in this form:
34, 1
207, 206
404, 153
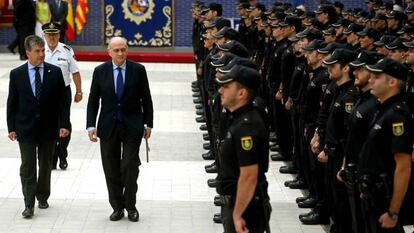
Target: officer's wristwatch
393, 216
79, 93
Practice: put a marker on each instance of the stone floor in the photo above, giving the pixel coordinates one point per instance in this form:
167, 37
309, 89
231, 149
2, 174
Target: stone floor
173, 195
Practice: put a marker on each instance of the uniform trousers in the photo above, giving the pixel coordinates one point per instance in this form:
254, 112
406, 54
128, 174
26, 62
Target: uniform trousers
62, 144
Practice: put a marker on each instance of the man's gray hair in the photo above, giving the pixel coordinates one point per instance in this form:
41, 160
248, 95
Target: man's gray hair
33, 40
117, 38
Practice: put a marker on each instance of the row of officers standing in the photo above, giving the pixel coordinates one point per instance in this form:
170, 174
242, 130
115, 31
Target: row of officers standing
331, 91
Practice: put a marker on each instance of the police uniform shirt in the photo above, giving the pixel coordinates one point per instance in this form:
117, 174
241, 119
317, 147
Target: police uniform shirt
325, 103
345, 97
410, 91
358, 125
62, 56
246, 143
390, 133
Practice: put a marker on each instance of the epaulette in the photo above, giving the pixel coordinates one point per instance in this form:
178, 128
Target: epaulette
67, 47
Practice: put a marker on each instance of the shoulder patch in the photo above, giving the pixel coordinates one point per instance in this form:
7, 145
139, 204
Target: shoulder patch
247, 143
349, 106
67, 47
398, 128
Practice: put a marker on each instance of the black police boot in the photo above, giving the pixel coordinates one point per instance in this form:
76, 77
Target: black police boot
273, 138
275, 148
306, 214
212, 183
308, 203
199, 106
206, 146
208, 156
300, 199
28, 212
314, 218
288, 169
197, 100
279, 157
194, 83
199, 112
201, 119
218, 201
195, 89
217, 218
288, 182
196, 94
211, 169
203, 127
206, 137
298, 184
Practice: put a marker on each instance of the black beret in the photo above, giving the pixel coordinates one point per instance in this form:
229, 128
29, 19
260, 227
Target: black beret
244, 75
390, 67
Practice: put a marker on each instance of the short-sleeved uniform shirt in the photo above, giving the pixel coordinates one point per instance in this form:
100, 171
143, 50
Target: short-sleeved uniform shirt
246, 143
390, 133
64, 57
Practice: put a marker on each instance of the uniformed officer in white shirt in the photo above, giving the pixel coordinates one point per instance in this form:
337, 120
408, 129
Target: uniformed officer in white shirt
63, 56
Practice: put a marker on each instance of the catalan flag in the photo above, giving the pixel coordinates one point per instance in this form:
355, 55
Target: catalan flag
82, 10
70, 31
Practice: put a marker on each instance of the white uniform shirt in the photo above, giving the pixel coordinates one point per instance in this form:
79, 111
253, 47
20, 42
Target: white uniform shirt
62, 56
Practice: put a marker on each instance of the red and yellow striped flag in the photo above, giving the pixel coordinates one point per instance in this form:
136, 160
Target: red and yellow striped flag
70, 31
82, 10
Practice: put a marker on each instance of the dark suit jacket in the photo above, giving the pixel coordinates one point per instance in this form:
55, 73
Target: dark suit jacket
36, 120
24, 14
135, 104
59, 14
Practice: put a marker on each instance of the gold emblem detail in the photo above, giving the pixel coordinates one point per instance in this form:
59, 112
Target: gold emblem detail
398, 129
138, 11
247, 143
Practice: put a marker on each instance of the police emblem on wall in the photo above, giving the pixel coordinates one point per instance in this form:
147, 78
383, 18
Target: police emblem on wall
144, 23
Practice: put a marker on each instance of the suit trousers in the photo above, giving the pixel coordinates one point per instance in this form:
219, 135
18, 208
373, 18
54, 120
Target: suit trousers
33, 186
62, 144
120, 160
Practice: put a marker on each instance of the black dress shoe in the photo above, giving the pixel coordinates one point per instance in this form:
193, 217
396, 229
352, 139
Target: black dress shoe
208, 156
43, 205
197, 100
133, 215
203, 127
300, 199
306, 214
199, 106
195, 89
314, 219
201, 119
212, 169
28, 212
288, 182
288, 169
299, 184
11, 49
207, 146
218, 201
209, 165
279, 157
206, 137
308, 203
200, 112
212, 183
117, 215
275, 148
273, 138
196, 94
63, 164
217, 218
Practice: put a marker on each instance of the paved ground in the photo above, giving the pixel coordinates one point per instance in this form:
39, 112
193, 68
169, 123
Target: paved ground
173, 195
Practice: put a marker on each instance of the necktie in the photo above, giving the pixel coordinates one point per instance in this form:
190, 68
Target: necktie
38, 83
119, 84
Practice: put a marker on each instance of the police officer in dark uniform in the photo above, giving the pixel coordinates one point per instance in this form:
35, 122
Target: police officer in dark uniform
359, 120
384, 166
243, 155
409, 60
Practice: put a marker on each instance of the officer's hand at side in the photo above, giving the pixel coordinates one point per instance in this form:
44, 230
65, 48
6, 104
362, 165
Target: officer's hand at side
386, 221
279, 95
78, 98
322, 157
240, 225
288, 104
63, 132
338, 176
12, 136
92, 135
147, 133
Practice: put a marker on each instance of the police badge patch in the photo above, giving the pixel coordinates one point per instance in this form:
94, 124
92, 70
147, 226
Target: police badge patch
349, 107
398, 129
247, 143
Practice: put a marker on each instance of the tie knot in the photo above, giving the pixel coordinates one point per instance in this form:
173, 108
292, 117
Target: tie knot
119, 68
36, 68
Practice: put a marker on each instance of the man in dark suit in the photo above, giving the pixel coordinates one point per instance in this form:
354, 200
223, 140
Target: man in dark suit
36, 116
59, 10
125, 117
24, 22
